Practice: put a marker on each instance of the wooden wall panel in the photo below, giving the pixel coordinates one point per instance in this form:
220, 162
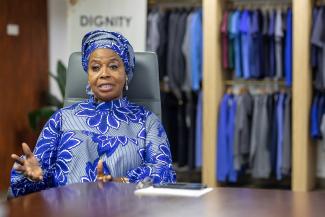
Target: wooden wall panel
23, 75
213, 86
303, 175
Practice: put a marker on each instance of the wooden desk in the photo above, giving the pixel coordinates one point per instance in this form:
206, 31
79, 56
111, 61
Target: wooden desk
113, 199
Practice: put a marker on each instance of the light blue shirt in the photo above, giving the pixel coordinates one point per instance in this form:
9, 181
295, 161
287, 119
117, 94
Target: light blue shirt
196, 49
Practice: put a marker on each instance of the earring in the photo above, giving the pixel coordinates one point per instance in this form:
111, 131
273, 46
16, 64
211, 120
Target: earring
126, 83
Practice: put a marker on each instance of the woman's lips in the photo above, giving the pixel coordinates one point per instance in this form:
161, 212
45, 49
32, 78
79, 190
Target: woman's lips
105, 87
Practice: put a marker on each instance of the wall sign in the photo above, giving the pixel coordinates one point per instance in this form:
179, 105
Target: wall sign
125, 16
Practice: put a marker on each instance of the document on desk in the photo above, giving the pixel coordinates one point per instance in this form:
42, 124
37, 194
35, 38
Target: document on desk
172, 192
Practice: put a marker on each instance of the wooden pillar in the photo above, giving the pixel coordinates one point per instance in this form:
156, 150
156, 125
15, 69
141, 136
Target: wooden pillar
213, 86
303, 175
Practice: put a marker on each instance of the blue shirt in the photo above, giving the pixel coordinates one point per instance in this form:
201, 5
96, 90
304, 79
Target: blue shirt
246, 42
235, 36
222, 163
280, 123
288, 50
128, 138
314, 127
196, 49
232, 173
272, 42
226, 129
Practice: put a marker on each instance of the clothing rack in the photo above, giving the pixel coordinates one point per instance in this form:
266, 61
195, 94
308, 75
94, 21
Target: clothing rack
258, 3
319, 2
175, 4
255, 82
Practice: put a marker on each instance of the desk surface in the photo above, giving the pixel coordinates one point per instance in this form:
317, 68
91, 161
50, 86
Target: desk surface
113, 199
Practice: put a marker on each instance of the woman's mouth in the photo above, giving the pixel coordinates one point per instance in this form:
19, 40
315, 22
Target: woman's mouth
105, 87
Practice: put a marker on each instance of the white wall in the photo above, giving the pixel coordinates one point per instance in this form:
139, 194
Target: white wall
58, 45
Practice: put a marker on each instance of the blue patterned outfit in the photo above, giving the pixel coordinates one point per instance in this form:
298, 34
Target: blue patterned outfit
128, 138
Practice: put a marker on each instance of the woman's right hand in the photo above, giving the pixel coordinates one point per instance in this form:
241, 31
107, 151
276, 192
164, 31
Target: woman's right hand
29, 166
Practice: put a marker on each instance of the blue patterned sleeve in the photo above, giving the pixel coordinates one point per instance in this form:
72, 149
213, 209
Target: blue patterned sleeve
45, 152
156, 156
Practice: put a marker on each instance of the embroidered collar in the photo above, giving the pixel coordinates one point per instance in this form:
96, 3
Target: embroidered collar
109, 105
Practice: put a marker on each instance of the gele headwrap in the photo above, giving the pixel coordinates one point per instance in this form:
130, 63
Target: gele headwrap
112, 40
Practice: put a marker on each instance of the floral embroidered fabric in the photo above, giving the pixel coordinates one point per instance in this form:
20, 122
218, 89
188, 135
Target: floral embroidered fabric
128, 138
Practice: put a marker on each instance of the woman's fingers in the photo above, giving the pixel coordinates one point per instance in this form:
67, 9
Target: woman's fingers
26, 150
19, 168
104, 178
100, 170
18, 159
100, 173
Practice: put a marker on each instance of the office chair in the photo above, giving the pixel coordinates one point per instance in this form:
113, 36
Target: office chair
143, 88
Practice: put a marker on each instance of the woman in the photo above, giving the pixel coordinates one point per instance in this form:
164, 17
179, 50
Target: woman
103, 138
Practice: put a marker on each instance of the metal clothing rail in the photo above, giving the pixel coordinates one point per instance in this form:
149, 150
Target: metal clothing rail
256, 83
176, 3
319, 2
258, 3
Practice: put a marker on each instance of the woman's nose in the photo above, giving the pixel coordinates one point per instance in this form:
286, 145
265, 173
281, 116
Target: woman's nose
105, 72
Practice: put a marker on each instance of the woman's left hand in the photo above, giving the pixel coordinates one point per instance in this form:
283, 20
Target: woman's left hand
100, 173
107, 178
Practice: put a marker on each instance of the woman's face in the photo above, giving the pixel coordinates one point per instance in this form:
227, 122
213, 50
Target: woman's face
106, 74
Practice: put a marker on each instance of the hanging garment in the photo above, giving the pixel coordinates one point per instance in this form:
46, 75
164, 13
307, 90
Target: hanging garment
235, 42
225, 167
246, 42
259, 154
242, 130
199, 131
286, 154
288, 49
279, 34
280, 125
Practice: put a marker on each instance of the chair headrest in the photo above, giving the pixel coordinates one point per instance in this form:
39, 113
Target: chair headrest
143, 88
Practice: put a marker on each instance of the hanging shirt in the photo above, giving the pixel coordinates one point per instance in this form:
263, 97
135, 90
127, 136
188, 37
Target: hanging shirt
242, 129
280, 124
259, 155
288, 49
314, 126
196, 49
226, 128
246, 42
235, 40
162, 49
272, 43
313, 56
320, 112
255, 58
230, 42
186, 49
232, 173
198, 132
128, 138
286, 154
317, 39
153, 32
224, 39
279, 34
265, 46
222, 151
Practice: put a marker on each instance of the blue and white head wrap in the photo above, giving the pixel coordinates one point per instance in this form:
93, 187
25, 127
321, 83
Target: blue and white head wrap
111, 40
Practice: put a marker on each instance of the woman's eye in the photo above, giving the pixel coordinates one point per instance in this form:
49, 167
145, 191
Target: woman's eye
95, 68
113, 67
